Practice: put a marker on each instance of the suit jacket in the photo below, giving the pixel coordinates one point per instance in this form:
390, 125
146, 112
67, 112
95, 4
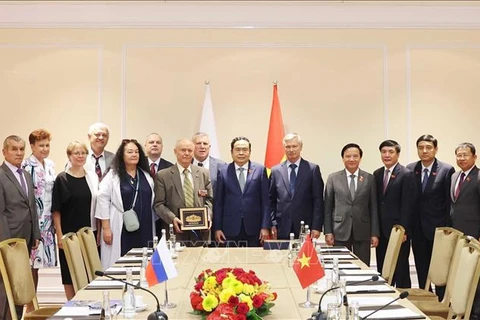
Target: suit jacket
164, 164
214, 165
345, 217
169, 196
396, 204
18, 213
431, 207
231, 204
465, 210
306, 204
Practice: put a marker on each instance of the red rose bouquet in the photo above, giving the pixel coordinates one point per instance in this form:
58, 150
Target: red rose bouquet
231, 293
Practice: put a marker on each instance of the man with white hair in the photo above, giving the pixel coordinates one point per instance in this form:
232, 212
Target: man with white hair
98, 159
296, 192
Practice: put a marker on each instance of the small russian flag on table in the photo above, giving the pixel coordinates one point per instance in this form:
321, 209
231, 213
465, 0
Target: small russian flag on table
161, 266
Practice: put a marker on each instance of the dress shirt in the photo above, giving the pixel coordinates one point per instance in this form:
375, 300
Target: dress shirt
355, 179
15, 173
458, 179
245, 172
205, 163
429, 170
290, 169
182, 176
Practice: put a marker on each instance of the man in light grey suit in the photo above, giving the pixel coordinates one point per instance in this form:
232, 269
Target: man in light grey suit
181, 186
465, 205
351, 216
202, 158
18, 214
99, 159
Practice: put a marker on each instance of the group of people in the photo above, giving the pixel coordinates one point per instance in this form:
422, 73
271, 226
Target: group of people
245, 203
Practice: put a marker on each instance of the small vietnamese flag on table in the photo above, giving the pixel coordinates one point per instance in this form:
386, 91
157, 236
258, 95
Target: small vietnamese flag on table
306, 266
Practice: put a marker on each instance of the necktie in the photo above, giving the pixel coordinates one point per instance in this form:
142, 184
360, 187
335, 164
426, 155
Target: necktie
241, 178
352, 186
200, 164
293, 178
22, 181
187, 190
385, 180
425, 179
460, 183
152, 169
98, 169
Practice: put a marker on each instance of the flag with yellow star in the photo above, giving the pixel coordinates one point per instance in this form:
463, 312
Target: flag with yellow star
307, 267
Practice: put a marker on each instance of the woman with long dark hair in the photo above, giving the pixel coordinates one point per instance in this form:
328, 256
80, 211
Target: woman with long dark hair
126, 186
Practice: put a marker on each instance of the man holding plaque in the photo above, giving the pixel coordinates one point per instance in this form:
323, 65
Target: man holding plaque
183, 196
241, 202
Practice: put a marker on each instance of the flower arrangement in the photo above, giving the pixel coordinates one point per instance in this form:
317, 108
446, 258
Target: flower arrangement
231, 293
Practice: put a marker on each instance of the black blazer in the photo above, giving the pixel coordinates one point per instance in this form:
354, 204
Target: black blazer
164, 164
432, 207
395, 206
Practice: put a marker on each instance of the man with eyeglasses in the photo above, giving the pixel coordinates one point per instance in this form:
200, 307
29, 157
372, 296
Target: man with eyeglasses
465, 196
241, 207
99, 159
431, 208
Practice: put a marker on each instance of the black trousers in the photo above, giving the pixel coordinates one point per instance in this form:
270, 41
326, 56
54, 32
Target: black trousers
401, 277
360, 248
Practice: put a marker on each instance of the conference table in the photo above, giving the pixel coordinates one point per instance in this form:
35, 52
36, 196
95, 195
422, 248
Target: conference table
269, 265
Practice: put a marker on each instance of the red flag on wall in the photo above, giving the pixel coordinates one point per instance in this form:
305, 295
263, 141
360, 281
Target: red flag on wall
275, 152
306, 266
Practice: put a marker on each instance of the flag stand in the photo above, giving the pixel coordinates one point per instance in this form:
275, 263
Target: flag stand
166, 304
308, 303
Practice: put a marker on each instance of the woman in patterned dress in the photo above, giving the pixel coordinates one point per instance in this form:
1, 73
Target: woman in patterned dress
42, 171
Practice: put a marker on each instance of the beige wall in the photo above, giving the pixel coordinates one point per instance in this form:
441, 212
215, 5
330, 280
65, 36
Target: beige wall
336, 85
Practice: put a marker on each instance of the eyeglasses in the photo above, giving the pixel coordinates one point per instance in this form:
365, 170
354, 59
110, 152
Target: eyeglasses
125, 141
79, 153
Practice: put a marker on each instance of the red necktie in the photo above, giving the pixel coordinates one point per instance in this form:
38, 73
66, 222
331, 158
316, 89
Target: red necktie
152, 170
457, 191
98, 169
385, 180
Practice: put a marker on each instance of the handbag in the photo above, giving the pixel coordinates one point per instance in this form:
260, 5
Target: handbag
130, 217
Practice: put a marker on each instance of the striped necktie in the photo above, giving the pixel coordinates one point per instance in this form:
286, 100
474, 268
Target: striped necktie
187, 189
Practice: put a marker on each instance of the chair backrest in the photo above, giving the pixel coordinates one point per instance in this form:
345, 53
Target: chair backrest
16, 273
88, 245
466, 283
444, 243
393, 250
76, 266
462, 242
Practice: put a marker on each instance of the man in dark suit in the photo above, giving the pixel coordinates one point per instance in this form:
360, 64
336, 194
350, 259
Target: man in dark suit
18, 214
394, 197
241, 199
183, 185
431, 207
202, 158
153, 150
465, 196
351, 216
296, 192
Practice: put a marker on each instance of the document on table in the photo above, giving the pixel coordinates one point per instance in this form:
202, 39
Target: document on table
343, 266
334, 249
356, 278
339, 256
402, 313
121, 270
362, 289
106, 284
130, 259
372, 302
138, 252
364, 272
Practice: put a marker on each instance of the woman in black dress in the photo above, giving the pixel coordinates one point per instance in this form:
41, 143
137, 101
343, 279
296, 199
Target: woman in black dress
73, 204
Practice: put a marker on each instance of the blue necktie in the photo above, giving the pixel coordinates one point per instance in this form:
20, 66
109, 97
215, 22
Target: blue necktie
293, 178
425, 179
